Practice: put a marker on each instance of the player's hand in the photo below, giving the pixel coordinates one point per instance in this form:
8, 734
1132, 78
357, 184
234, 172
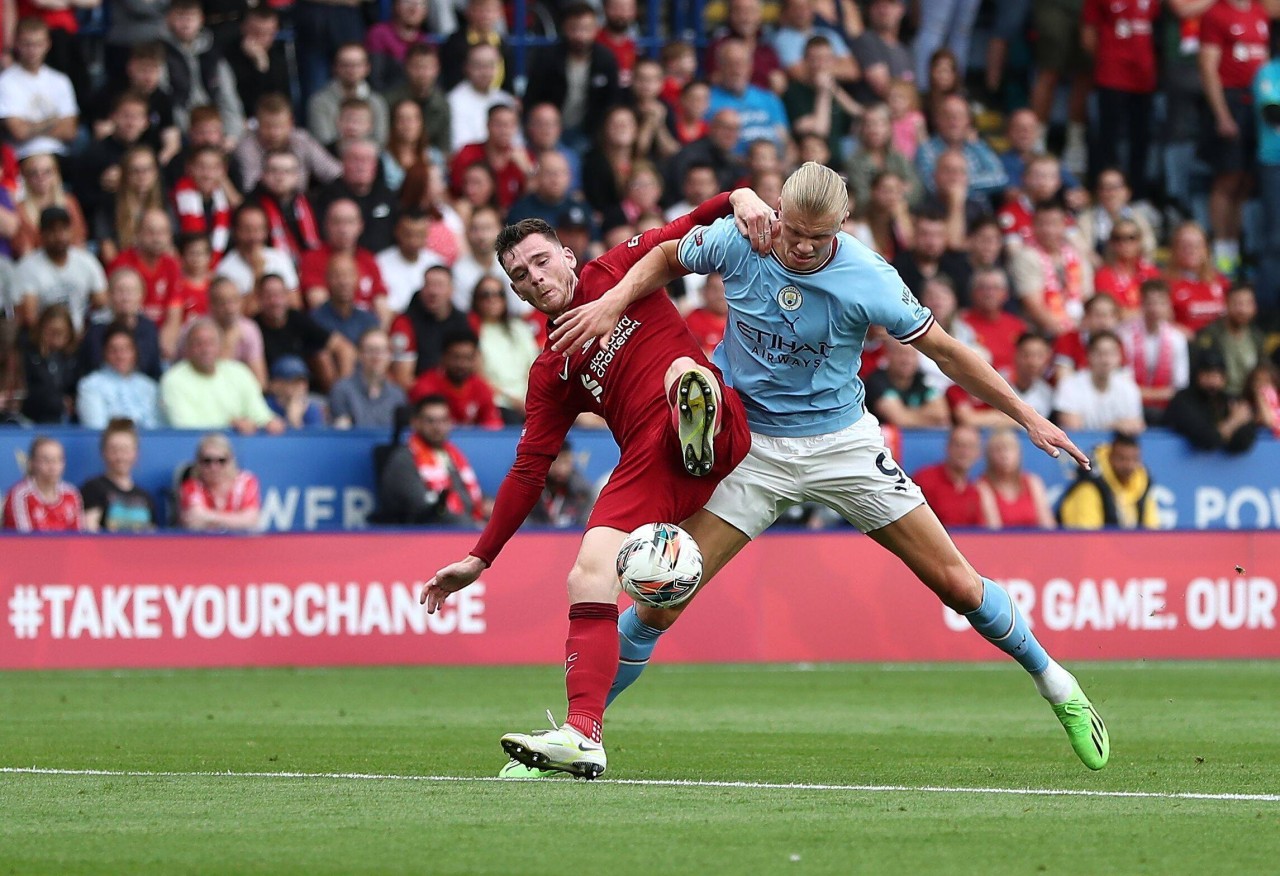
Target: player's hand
450, 579
755, 219
1228, 128
1053, 441
596, 319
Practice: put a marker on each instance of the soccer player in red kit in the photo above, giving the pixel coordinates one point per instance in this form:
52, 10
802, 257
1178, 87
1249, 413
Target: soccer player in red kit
680, 431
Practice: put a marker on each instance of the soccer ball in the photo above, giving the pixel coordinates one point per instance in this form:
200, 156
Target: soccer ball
660, 565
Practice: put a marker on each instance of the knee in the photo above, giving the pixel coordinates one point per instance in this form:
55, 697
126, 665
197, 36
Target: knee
677, 367
587, 585
960, 587
658, 618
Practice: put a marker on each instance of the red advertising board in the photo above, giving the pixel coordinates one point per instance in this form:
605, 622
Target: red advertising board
351, 599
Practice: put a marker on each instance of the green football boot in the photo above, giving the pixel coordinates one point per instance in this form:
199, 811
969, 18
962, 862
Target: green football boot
516, 770
1085, 729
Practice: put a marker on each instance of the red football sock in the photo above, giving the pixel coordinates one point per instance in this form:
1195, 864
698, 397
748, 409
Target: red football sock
590, 662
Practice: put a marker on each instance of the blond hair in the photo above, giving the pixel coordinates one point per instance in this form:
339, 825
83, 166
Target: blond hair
817, 191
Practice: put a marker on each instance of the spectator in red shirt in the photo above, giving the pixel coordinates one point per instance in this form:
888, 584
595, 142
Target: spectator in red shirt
707, 322
1199, 291
1157, 351
152, 257
997, 329
1119, 35
947, 486
1125, 270
458, 381
618, 36
1234, 43
1071, 350
190, 298
43, 501
343, 226
745, 21
1041, 181
1011, 498
509, 161
218, 496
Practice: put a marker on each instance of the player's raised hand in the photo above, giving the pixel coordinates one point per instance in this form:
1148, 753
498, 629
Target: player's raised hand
756, 220
596, 319
1053, 441
450, 579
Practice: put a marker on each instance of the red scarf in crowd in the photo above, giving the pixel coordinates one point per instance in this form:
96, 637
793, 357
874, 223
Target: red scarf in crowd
282, 232
192, 218
1157, 374
447, 471
1063, 289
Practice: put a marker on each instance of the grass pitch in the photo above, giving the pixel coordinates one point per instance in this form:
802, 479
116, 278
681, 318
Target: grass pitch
1207, 728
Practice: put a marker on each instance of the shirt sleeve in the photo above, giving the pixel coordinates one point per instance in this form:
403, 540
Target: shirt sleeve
717, 247
888, 302
252, 500
404, 343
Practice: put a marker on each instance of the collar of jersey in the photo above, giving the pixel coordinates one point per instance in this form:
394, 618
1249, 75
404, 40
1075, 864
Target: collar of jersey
835, 245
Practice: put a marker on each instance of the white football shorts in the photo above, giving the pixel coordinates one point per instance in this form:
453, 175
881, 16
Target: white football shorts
851, 471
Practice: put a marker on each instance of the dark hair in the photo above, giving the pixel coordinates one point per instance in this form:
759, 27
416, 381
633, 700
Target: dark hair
129, 97
429, 401
576, 10
459, 336
266, 278
186, 6
117, 426
209, 150
115, 329
246, 207
1241, 287
1122, 439
421, 50
190, 238
816, 42
1152, 286
1100, 298
262, 10
204, 113
1049, 204
512, 235
148, 51
931, 213
272, 103
445, 268
1027, 337
499, 108
1104, 335
411, 214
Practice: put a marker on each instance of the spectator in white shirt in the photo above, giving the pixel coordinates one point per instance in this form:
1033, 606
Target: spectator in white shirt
59, 273
1102, 396
404, 264
478, 260
37, 103
250, 259
470, 99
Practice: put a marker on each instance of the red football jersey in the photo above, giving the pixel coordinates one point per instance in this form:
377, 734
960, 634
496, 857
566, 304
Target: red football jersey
26, 511
1126, 55
314, 265
623, 383
470, 404
159, 280
1123, 286
244, 495
954, 506
1242, 35
999, 336
1196, 302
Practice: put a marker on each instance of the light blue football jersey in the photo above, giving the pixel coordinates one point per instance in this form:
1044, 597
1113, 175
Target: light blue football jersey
793, 343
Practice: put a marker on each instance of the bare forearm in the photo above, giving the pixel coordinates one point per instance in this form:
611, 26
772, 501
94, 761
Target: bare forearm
659, 267
978, 378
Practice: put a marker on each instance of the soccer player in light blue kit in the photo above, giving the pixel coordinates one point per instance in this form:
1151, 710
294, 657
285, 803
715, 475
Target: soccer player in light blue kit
797, 321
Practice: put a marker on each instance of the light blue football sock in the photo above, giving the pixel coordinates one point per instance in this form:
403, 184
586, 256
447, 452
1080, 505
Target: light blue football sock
636, 641
1003, 625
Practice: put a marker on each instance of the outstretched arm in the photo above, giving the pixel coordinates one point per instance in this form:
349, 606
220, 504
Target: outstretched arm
975, 375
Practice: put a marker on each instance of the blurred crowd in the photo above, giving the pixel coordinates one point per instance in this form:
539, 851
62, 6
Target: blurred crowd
276, 217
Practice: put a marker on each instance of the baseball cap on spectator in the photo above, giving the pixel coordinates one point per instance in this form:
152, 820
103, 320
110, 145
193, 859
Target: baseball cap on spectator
1210, 359
574, 216
51, 216
289, 368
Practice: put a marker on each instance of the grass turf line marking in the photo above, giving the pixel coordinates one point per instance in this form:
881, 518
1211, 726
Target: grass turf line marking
655, 783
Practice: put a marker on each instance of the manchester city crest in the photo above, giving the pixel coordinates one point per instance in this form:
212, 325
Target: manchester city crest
789, 298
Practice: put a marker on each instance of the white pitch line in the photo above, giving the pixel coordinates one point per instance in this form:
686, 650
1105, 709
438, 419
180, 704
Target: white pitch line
659, 783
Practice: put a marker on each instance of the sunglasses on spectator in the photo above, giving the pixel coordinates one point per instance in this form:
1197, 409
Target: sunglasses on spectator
214, 460
1125, 238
